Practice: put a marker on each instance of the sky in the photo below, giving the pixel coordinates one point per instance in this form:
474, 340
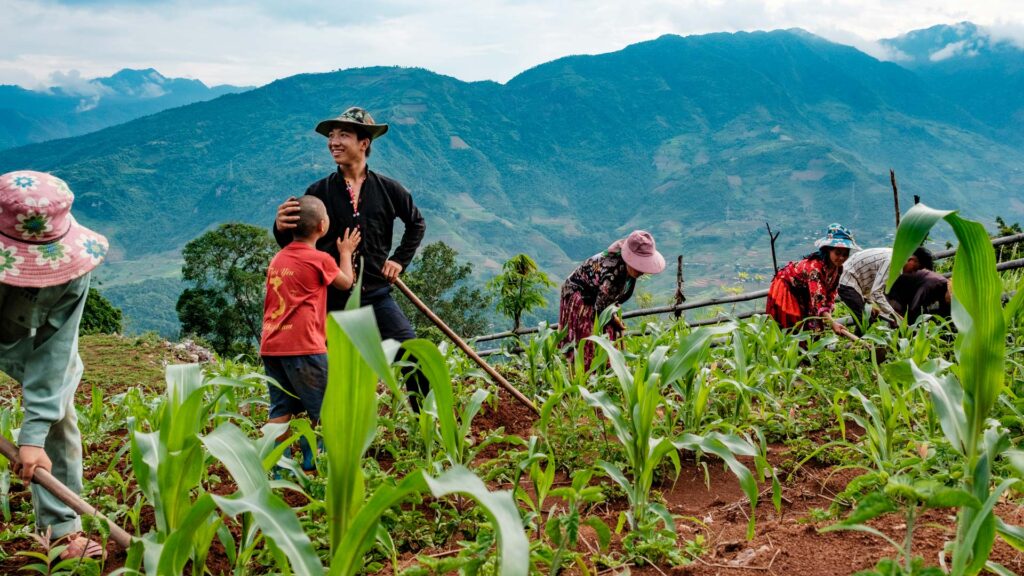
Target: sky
251, 43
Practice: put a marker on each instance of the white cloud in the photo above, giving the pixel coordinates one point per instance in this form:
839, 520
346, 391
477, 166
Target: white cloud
251, 43
1011, 32
961, 48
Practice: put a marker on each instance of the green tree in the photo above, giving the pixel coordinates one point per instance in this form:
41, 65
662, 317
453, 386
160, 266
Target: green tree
442, 283
1007, 251
99, 316
520, 288
227, 268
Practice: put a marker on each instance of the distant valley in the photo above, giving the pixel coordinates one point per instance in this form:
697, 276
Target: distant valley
699, 139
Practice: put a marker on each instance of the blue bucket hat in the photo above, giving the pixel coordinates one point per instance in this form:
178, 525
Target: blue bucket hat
837, 236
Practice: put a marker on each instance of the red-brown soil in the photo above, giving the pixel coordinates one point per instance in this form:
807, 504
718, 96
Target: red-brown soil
786, 542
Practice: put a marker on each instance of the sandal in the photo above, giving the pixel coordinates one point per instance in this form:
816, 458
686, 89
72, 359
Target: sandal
78, 546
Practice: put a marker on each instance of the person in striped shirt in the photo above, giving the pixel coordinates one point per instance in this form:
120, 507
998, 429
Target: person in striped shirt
863, 282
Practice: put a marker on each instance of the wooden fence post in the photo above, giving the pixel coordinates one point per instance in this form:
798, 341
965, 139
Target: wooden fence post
895, 195
679, 297
773, 238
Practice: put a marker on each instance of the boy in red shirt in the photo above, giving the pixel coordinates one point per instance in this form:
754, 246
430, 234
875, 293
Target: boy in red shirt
294, 345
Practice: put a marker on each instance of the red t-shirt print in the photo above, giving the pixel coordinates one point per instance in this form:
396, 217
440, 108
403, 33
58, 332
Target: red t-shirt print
295, 307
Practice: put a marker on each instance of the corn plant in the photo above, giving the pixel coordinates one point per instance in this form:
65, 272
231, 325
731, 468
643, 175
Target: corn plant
541, 479
543, 354
248, 462
453, 422
884, 416
633, 415
356, 357
169, 464
7, 419
965, 397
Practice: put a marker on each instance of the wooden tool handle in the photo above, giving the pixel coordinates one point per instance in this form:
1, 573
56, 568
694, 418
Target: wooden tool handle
62, 492
465, 347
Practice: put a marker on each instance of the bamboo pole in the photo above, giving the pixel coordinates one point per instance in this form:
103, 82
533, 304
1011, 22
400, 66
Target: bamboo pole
465, 347
62, 492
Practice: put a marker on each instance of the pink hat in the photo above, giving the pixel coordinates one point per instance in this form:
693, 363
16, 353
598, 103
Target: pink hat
41, 244
638, 251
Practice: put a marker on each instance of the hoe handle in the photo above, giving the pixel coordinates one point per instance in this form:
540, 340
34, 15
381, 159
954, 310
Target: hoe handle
74, 501
465, 347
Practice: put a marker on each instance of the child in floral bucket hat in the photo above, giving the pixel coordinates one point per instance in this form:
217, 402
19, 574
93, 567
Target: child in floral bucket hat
45, 260
803, 293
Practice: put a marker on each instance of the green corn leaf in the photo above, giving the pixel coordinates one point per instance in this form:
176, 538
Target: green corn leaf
666, 516
434, 367
616, 474
1012, 535
948, 401
145, 454
999, 569
602, 400
619, 367
604, 533
349, 412
476, 402
177, 549
981, 533
914, 227
499, 507
716, 444
692, 351
347, 559
275, 518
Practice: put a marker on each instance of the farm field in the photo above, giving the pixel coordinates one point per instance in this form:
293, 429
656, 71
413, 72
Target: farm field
733, 449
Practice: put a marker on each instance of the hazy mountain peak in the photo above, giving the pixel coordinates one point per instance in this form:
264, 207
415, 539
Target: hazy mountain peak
74, 104
948, 43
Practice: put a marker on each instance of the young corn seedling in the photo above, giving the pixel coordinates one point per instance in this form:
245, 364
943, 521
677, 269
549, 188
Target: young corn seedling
964, 398
169, 464
633, 415
454, 423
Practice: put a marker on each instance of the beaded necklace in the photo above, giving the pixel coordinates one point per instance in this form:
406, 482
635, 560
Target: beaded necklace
352, 200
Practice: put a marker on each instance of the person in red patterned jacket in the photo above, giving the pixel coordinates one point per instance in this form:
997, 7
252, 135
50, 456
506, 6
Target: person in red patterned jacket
803, 293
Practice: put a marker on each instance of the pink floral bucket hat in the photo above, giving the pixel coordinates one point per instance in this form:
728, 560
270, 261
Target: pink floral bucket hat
41, 244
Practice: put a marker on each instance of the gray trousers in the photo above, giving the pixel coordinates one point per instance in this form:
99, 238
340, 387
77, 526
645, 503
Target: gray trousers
64, 448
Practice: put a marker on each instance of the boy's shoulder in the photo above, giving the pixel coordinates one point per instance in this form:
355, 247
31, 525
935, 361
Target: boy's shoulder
300, 254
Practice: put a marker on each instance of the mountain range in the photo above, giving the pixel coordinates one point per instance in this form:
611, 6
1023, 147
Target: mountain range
699, 139
78, 106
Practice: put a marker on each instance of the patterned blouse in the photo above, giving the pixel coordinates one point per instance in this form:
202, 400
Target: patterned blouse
602, 280
813, 284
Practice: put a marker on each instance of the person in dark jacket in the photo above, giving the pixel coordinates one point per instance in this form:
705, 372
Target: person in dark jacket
359, 198
922, 292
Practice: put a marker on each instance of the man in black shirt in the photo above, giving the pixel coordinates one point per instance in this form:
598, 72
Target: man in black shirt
357, 197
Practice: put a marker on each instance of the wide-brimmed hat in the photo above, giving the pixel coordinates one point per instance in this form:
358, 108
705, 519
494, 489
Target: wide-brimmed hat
639, 252
41, 244
353, 117
837, 236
